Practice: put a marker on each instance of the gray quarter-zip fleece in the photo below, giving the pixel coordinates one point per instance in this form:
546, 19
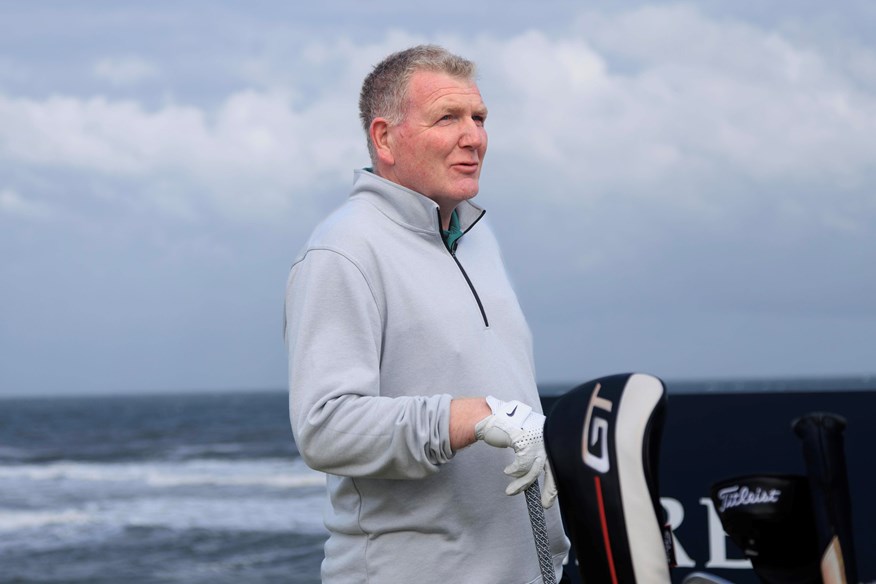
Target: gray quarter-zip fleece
384, 327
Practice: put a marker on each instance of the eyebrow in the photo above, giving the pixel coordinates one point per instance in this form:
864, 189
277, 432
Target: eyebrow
456, 107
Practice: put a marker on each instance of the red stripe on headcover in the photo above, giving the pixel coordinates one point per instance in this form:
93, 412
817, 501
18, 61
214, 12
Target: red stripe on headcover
601, 504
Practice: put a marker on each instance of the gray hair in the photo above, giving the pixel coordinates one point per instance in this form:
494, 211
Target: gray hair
385, 89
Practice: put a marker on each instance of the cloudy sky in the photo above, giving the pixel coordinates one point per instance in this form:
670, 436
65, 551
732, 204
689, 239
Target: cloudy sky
687, 189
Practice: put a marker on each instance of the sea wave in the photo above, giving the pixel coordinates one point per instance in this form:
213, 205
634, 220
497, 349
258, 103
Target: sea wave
45, 505
11, 520
189, 451
271, 473
98, 520
300, 515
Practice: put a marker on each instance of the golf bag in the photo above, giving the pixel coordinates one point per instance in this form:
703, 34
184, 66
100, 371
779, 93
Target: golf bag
795, 529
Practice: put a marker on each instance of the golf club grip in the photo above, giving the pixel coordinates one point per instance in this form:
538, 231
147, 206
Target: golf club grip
539, 532
821, 434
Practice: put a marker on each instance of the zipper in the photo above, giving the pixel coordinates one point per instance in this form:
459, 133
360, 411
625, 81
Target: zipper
452, 251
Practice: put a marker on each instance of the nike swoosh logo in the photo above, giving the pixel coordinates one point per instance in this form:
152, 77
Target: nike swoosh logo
511, 413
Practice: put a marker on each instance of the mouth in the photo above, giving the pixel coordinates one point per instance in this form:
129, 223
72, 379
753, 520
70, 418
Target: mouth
467, 167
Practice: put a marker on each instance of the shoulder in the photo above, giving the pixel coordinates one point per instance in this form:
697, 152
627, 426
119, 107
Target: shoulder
345, 230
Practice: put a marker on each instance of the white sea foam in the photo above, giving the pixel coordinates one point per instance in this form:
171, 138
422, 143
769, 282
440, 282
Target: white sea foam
100, 520
269, 473
299, 515
291, 514
42, 505
46, 505
11, 520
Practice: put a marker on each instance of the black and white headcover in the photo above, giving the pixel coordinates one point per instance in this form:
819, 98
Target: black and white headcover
603, 443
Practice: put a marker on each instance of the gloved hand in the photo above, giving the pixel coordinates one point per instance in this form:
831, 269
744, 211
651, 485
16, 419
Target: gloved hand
514, 424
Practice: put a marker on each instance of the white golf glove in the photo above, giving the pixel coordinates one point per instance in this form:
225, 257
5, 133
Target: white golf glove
514, 424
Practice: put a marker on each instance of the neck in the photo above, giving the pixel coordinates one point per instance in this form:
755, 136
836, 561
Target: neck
445, 217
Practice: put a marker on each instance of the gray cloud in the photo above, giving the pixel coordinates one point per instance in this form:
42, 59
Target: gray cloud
682, 189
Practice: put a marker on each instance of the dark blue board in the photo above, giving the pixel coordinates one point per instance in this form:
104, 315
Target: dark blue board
711, 436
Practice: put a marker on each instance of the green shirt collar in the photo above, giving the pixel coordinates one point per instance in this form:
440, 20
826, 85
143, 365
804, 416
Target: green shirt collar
451, 235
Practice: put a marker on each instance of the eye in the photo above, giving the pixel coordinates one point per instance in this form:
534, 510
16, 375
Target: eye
479, 119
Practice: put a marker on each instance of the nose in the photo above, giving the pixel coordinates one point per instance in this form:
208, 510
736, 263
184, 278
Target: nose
473, 134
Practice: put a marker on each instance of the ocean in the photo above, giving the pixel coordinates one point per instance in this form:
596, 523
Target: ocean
177, 488
163, 488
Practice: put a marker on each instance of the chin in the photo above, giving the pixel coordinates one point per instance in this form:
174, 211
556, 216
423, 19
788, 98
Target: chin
466, 195
468, 191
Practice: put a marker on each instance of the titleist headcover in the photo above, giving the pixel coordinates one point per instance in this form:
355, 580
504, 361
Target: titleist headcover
603, 444
770, 518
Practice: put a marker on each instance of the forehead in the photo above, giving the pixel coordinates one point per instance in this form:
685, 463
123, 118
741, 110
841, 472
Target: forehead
432, 89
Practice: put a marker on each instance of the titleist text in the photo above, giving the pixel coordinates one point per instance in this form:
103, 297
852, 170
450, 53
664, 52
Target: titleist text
740, 496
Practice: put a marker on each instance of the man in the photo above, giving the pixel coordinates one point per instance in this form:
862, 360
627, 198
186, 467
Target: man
398, 312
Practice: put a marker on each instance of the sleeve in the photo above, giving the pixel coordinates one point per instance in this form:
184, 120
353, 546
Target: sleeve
341, 423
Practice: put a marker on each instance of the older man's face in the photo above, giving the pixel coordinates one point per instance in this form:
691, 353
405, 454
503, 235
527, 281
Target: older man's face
439, 148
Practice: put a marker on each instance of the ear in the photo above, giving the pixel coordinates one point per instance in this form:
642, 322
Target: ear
380, 137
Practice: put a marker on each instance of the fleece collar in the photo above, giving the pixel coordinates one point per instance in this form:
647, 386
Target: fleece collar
406, 207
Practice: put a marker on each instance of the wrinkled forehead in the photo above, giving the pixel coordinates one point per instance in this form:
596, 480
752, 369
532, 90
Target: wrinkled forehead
432, 88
